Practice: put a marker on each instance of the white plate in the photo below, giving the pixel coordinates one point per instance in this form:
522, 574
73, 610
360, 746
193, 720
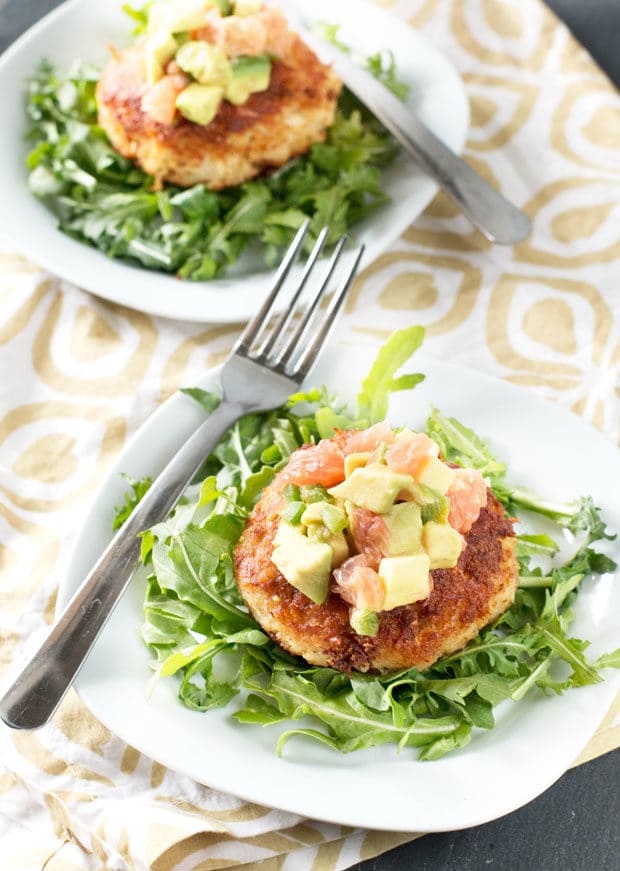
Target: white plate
83, 29
533, 742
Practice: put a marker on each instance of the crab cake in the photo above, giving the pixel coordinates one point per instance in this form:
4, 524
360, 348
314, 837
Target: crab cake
462, 600
241, 142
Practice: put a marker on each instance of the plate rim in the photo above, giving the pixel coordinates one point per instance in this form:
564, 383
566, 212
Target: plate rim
609, 686
221, 308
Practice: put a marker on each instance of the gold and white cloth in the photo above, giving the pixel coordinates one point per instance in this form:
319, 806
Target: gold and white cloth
78, 376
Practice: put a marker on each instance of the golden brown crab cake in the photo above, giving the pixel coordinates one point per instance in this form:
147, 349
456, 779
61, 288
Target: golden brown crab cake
241, 142
463, 600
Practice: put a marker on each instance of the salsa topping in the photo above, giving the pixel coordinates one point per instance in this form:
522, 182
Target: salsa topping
373, 513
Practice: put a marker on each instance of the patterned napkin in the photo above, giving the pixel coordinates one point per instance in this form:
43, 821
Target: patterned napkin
79, 375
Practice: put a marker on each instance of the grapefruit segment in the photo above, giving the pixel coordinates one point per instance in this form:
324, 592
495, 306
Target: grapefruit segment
410, 452
359, 584
468, 496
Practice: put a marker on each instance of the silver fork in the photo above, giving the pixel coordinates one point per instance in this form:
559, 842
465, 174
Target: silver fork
267, 364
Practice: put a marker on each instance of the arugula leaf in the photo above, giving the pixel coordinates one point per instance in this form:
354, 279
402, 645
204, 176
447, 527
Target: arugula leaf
587, 518
382, 65
209, 401
136, 491
459, 444
372, 400
536, 545
609, 660
329, 32
351, 726
139, 15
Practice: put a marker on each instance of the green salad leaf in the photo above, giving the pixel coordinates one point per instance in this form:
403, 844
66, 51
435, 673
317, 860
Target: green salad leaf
372, 400
136, 491
382, 65
140, 15
198, 629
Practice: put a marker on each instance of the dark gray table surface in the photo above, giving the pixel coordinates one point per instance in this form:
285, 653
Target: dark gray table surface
575, 825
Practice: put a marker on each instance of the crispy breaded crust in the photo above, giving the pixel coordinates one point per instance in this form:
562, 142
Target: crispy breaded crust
464, 599
241, 141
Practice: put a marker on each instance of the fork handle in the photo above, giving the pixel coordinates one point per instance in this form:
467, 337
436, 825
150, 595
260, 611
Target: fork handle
37, 692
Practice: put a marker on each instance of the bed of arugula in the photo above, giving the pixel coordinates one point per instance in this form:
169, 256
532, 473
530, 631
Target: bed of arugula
108, 202
198, 629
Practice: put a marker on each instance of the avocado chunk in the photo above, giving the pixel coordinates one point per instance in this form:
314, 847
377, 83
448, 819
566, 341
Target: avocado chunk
374, 487
406, 579
206, 63
434, 506
404, 526
443, 544
159, 49
437, 510
364, 622
335, 518
337, 542
199, 103
247, 7
313, 513
329, 515
355, 461
437, 475
178, 16
249, 75
305, 564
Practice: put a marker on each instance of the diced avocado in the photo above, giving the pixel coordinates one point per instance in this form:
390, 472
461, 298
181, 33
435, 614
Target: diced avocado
248, 76
306, 564
159, 49
443, 544
325, 514
206, 63
437, 475
247, 7
406, 579
404, 525
178, 16
224, 6
434, 506
199, 103
340, 549
436, 510
335, 519
355, 461
313, 513
364, 622
337, 542
374, 487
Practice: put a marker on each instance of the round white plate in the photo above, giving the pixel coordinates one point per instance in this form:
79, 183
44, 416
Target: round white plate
83, 29
534, 741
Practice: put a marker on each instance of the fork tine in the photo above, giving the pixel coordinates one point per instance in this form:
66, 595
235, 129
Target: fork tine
254, 328
290, 347
284, 318
308, 358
